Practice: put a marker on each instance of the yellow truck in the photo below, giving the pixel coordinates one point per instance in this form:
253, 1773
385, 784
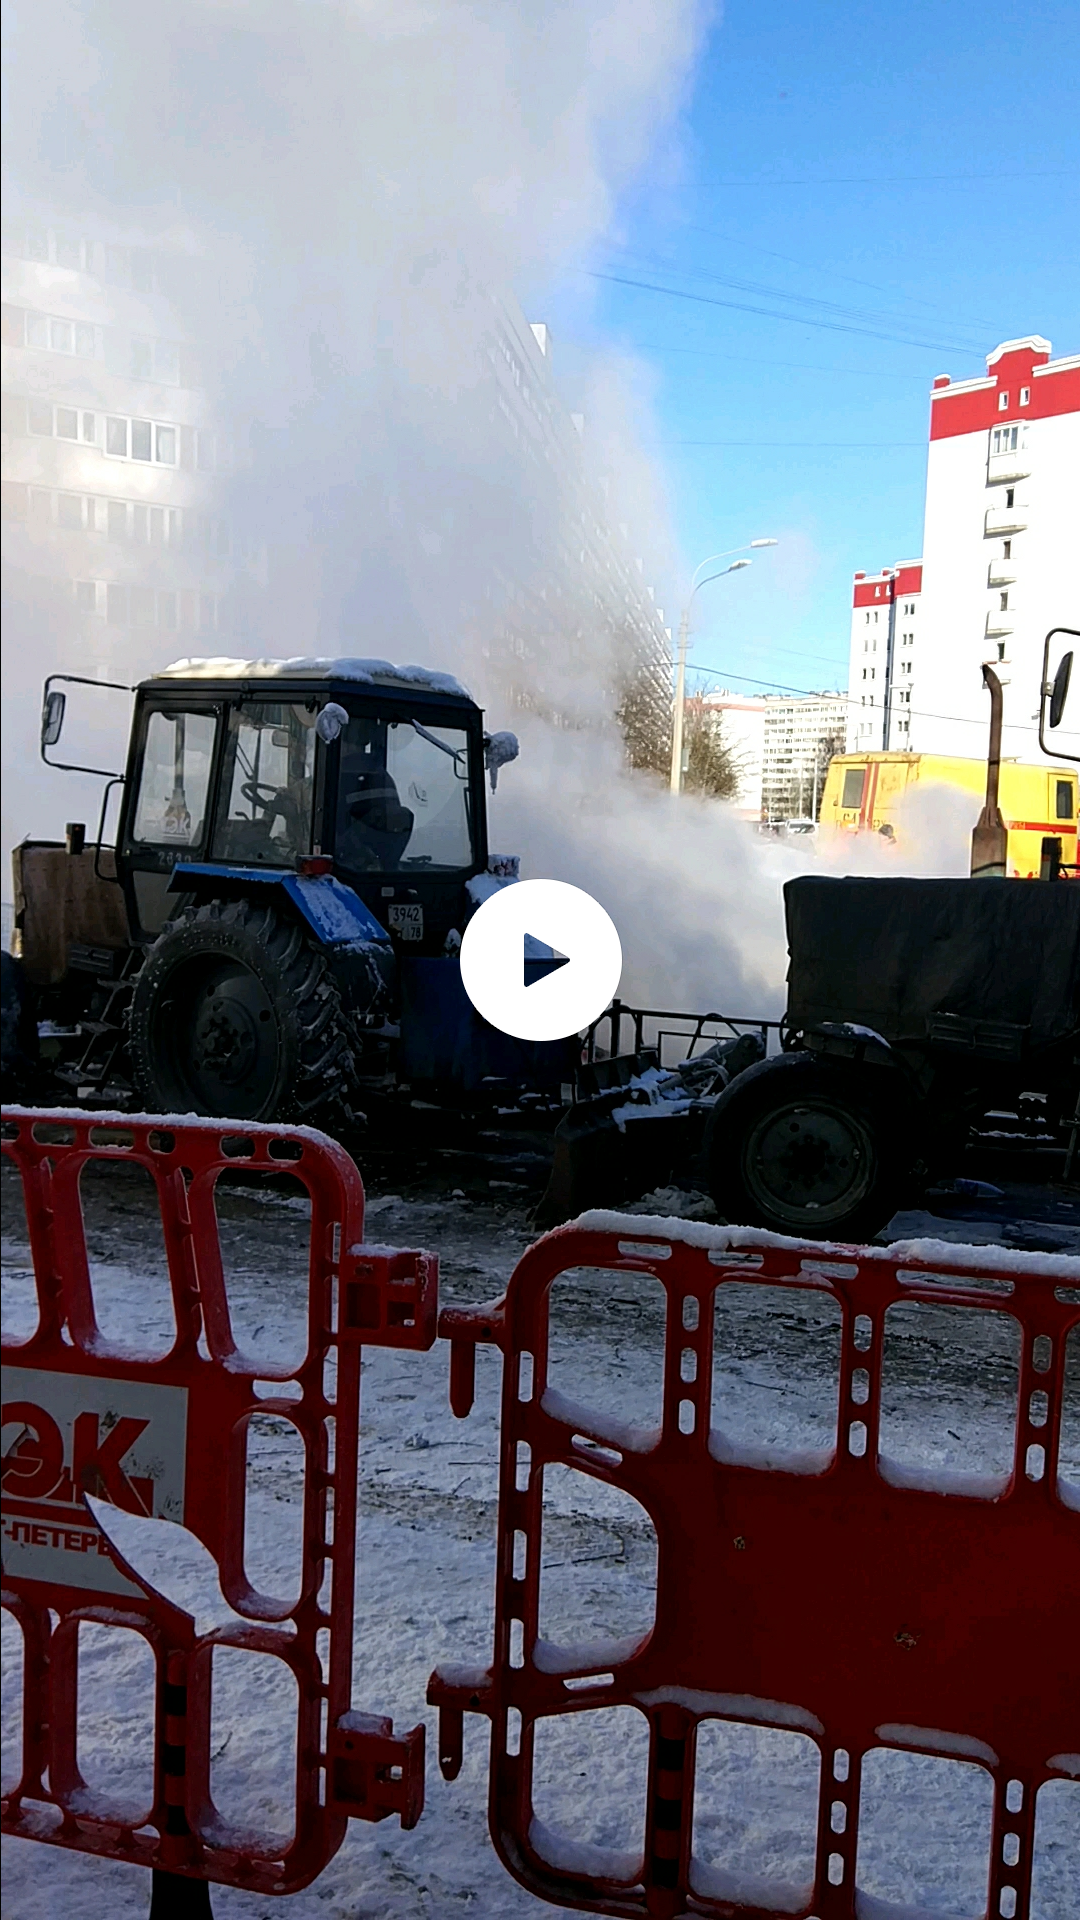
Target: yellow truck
864, 793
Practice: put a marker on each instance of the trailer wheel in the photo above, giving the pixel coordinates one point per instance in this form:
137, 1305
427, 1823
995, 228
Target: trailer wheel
808, 1147
235, 1012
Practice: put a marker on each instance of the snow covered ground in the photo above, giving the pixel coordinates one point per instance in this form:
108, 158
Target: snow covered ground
426, 1572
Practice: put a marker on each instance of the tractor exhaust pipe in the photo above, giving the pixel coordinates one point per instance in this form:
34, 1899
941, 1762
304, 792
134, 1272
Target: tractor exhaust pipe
989, 839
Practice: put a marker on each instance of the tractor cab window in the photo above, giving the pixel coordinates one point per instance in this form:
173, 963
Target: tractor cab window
171, 807
266, 785
403, 797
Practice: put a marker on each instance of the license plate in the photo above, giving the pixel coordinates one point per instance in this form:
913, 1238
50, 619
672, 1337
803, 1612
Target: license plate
407, 922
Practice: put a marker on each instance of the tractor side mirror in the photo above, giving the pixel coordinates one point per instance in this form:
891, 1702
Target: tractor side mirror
1059, 689
52, 718
499, 750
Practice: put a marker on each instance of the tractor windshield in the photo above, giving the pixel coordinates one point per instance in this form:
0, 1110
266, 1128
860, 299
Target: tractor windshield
403, 797
264, 815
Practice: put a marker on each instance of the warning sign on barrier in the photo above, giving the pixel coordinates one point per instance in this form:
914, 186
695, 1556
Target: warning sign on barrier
854, 1600
125, 1440
121, 1470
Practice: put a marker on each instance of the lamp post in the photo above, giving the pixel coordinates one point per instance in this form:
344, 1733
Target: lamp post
684, 641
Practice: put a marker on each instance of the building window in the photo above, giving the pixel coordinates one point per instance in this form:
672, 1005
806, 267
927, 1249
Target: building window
1006, 551
1004, 598
86, 596
1010, 496
140, 440
1001, 649
1004, 439
1003, 403
59, 422
1025, 396
155, 360
48, 332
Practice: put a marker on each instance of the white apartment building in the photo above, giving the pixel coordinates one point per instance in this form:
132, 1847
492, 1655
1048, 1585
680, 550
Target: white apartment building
782, 744
121, 488
117, 553
885, 618
584, 580
996, 573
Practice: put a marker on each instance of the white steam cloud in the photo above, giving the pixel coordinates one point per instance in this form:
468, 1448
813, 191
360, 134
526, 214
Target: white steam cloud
348, 187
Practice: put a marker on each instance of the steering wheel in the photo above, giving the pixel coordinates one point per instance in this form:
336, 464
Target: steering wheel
254, 790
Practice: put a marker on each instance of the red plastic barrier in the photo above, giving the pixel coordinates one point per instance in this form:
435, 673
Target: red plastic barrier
166, 1437
822, 1596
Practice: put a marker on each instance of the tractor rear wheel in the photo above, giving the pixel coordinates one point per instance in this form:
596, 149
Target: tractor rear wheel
235, 1012
810, 1147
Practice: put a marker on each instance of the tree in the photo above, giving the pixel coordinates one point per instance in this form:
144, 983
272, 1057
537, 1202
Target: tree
709, 765
644, 715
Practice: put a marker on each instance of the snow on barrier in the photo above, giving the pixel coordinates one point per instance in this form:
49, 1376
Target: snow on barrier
835, 1594
106, 1446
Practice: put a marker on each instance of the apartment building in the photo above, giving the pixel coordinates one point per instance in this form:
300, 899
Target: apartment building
885, 618
123, 486
782, 745
995, 574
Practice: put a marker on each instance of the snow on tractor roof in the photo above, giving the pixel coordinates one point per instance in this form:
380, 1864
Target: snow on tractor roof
367, 672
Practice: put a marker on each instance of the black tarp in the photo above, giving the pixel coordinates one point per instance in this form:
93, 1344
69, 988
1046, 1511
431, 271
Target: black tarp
897, 955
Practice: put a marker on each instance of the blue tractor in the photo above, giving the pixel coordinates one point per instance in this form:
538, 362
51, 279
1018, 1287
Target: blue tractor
274, 936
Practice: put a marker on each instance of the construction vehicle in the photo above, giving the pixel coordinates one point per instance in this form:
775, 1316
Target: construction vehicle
274, 934
870, 793
915, 1009
914, 1006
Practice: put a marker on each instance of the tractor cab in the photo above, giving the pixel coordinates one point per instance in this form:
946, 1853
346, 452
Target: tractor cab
300, 846
377, 772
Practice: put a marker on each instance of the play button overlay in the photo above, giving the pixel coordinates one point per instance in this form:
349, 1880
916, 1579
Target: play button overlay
540, 960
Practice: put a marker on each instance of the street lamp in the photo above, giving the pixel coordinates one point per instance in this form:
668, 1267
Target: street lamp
684, 636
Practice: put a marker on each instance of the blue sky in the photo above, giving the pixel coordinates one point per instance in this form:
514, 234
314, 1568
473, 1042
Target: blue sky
894, 190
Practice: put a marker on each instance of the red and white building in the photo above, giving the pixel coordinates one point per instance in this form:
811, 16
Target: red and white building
997, 569
885, 618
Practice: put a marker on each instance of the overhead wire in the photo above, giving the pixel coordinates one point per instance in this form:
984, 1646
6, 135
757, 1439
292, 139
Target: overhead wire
771, 313
849, 699
906, 180
829, 273
647, 262
794, 366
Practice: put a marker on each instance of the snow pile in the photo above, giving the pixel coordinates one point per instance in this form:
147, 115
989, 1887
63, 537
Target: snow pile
945, 1256
372, 673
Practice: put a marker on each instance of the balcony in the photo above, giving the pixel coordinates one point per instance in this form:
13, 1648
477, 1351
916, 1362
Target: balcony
1001, 574
999, 625
1007, 466
1004, 520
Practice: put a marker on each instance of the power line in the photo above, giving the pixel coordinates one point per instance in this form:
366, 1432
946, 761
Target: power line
850, 699
733, 239
646, 262
797, 366
770, 313
807, 446
905, 180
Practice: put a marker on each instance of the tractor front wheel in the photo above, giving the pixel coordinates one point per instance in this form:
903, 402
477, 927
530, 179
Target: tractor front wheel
235, 1013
